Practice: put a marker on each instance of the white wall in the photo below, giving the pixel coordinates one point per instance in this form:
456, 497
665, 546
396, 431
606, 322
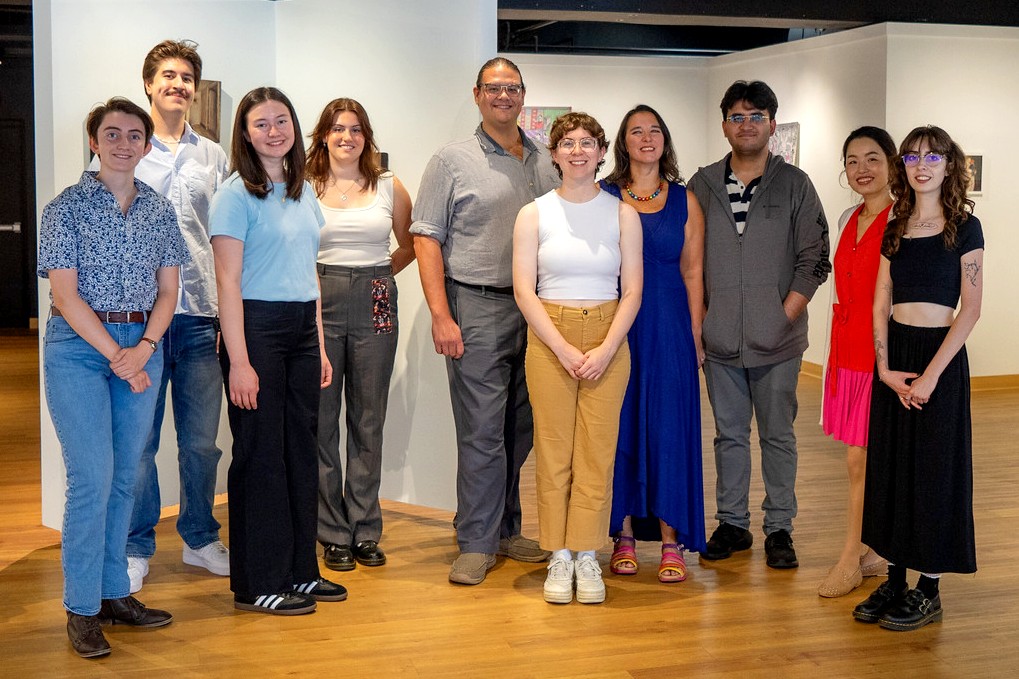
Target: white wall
608, 87
411, 65
969, 90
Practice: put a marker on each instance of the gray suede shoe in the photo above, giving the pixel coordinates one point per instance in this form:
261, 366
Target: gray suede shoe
524, 549
470, 568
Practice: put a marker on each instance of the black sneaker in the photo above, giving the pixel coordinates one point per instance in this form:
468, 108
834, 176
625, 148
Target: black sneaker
285, 603
322, 590
879, 602
727, 539
912, 612
779, 548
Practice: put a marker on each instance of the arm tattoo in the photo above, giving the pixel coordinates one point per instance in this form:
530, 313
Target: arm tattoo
971, 270
878, 350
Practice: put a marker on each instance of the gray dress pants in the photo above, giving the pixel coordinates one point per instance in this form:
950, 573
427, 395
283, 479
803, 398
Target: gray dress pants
492, 414
359, 319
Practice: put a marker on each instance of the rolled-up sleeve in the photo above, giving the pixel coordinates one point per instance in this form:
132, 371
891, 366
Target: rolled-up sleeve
433, 208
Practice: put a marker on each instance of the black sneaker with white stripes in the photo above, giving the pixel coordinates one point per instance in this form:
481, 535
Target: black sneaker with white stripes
322, 590
285, 603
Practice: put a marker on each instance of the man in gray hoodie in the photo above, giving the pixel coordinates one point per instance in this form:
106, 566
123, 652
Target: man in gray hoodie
765, 254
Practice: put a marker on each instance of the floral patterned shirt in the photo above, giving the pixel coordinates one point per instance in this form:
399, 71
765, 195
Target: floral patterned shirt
116, 256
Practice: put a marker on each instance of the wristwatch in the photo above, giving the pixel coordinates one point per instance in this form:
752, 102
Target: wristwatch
152, 344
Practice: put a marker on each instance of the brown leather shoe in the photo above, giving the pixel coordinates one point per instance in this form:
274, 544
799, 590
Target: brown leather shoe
130, 611
86, 636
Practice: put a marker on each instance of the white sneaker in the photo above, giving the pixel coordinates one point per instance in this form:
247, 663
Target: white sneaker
590, 587
559, 582
213, 557
137, 569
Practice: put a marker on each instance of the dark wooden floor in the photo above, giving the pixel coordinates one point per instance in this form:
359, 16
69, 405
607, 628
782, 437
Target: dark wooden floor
733, 618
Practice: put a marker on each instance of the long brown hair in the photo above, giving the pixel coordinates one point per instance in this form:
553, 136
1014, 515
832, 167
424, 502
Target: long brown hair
955, 205
668, 168
245, 161
317, 169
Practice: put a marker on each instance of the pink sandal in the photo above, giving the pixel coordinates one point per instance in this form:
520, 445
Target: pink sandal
673, 566
624, 556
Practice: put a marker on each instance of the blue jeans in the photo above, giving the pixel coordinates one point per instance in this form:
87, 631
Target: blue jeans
190, 361
102, 427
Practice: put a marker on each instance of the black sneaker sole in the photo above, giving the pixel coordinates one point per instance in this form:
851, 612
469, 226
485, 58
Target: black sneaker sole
783, 565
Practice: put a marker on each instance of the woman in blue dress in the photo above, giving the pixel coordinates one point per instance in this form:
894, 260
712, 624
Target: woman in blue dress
658, 489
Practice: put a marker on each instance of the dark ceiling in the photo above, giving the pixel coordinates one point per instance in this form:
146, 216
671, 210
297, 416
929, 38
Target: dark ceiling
713, 27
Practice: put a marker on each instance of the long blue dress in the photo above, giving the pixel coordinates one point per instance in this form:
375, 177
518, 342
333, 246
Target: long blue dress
658, 471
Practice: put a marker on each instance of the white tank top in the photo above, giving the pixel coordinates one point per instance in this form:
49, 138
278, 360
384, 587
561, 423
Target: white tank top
578, 248
359, 236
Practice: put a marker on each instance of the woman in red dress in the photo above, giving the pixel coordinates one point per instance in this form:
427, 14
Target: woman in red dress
867, 154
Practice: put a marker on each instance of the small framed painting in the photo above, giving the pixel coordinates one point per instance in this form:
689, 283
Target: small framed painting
975, 170
786, 142
536, 121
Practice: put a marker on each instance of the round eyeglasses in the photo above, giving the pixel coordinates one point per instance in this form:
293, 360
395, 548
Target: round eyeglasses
586, 144
911, 159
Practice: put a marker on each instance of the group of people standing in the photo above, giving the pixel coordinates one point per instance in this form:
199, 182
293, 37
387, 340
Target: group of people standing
277, 282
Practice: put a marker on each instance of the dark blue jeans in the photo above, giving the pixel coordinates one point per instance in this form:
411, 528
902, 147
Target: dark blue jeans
189, 360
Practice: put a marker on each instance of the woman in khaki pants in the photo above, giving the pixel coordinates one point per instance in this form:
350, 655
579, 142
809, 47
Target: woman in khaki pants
577, 275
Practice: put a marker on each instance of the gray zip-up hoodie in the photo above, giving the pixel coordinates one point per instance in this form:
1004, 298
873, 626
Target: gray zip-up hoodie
746, 277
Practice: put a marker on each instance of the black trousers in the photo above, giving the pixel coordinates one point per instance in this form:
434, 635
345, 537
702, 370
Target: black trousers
273, 478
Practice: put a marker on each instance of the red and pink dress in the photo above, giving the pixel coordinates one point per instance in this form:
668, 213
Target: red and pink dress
847, 388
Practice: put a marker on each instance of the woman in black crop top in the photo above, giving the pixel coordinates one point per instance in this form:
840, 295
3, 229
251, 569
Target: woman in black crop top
918, 505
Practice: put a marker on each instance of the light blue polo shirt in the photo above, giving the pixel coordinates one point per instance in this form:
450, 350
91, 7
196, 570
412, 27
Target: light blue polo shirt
280, 238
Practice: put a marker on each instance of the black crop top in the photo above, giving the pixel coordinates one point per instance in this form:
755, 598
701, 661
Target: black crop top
923, 270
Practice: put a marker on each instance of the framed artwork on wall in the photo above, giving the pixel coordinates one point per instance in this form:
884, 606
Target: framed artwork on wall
975, 170
204, 113
786, 142
536, 121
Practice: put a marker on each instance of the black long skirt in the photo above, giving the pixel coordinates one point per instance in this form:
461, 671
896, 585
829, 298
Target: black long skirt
918, 502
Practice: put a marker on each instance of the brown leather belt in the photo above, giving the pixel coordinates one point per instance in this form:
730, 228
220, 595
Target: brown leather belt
114, 316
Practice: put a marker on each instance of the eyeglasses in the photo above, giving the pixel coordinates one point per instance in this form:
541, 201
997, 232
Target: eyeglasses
739, 118
586, 144
911, 159
493, 90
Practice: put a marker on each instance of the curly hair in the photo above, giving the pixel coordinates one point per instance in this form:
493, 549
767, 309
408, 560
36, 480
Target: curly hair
568, 122
668, 168
955, 205
317, 171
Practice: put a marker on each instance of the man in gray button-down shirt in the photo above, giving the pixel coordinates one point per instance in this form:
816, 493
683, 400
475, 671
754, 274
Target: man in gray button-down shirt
467, 203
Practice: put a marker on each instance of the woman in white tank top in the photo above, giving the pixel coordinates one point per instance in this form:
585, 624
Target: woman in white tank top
577, 276
363, 207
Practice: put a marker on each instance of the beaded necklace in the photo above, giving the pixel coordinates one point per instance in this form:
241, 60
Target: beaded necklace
644, 199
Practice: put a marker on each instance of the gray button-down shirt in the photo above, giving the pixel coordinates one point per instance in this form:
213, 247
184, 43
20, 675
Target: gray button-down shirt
469, 197
188, 179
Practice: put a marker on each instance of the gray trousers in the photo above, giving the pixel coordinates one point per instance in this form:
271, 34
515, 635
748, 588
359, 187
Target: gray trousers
492, 414
769, 392
362, 360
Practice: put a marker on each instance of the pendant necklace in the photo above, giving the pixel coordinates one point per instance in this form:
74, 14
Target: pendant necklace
644, 199
343, 194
